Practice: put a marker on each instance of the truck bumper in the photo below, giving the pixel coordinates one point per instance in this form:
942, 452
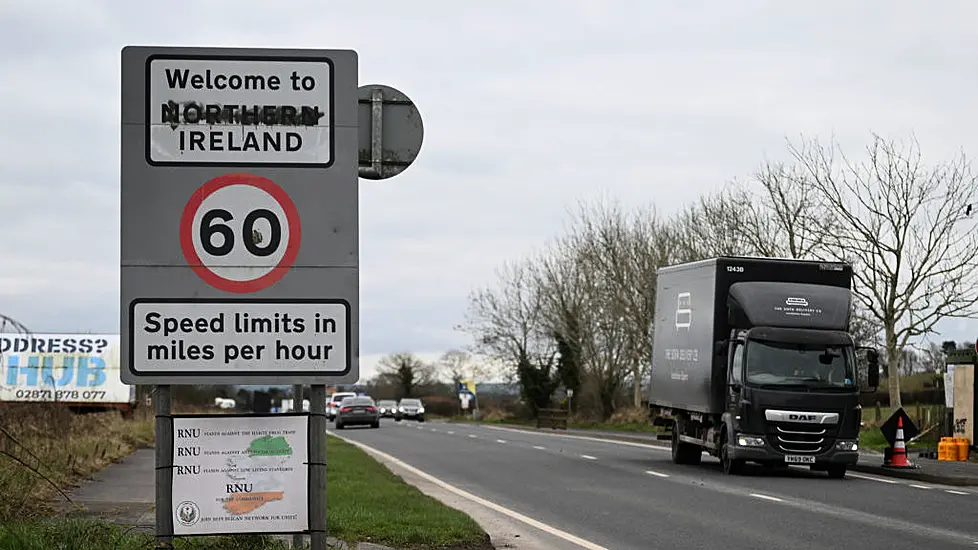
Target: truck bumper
769, 455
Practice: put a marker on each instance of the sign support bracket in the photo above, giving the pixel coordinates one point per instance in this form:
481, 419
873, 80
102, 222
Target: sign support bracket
164, 468
317, 466
297, 539
376, 136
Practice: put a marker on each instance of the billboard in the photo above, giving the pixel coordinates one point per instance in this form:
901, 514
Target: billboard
70, 368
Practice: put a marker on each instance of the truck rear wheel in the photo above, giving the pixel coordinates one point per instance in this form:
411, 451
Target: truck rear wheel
684, 453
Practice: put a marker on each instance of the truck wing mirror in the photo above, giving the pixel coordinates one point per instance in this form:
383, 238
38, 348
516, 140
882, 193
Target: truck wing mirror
720, 348
873, 370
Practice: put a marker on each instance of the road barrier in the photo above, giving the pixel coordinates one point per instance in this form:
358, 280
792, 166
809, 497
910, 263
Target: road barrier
552, 418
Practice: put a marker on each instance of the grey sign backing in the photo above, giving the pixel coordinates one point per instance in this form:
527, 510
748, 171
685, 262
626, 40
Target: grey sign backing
278, 129
391, 132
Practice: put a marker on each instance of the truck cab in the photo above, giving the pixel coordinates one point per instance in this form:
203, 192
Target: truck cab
792, 398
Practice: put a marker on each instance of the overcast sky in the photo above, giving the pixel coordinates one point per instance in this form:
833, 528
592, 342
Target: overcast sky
528, 108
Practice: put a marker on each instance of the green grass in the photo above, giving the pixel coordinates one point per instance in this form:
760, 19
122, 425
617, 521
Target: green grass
62, 534
368, 503
45, 448
872, 439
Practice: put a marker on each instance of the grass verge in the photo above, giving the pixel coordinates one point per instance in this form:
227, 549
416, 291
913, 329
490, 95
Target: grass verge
368, 503
45, 449
95, 535
365, 503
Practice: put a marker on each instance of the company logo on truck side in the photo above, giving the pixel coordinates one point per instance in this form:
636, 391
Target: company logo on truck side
805, 417
796, 306
684, 310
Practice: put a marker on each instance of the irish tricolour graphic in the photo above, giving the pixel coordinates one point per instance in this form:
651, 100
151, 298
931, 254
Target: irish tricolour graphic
258, 474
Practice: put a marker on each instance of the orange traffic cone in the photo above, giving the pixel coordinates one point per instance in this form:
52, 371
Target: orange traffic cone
899, 458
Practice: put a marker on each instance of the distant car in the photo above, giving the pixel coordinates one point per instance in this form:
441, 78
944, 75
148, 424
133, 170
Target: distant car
334, 403
387, 408
411, 409
357, 411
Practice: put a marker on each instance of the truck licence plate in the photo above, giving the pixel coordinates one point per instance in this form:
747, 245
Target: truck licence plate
799, 459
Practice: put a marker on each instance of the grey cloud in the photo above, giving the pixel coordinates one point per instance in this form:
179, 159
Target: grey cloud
527, 108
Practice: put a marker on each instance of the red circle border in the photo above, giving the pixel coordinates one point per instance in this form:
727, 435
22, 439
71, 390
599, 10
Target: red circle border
187, 238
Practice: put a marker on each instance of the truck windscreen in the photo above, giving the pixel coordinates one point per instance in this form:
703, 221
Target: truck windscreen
785, 364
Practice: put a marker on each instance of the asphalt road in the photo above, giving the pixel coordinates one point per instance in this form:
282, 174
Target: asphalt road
631, 496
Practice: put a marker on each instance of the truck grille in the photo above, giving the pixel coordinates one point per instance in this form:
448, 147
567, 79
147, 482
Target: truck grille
800, 438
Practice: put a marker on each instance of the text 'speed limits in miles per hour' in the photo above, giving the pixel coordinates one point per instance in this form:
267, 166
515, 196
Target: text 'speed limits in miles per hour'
302, 337
235, 110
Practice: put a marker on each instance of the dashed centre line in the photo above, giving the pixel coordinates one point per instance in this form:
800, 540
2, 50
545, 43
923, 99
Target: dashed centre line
915, 486
500, 441
589, 457
657, 474
766, 497
539, 448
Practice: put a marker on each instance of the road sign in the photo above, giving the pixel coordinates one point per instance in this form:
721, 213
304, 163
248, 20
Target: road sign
240, 232
391, 133
240, 213
889, 427
210, 108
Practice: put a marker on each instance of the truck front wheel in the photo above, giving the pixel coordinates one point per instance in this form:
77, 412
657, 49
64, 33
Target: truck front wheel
836, 471
684, 453
730, 466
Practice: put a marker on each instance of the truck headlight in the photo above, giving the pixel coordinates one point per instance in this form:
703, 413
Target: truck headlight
400, 409
420, 410
847, 445
750, 441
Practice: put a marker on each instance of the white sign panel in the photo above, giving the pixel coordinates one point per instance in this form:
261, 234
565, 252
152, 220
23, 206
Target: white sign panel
70, 368
207, 110
240, 474
241, 336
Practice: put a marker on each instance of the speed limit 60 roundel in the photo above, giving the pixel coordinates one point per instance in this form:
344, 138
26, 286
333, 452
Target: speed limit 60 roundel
240, 233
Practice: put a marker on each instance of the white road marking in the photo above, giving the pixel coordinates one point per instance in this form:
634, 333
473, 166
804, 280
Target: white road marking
953, 492
657, 474
915, 486
589, 457
478, 500
500, 441
473, 436
585, 438
872, 478
539, 448
766, 497
451, 433
434, 430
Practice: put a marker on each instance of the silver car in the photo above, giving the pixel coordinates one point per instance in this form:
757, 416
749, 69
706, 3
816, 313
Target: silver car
357, 411
412, 409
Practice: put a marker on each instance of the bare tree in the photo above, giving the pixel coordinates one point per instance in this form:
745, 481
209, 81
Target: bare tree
507, 324
405, 371
462, 365
932, 358
713, 226
782, 215
604, 283
902, 225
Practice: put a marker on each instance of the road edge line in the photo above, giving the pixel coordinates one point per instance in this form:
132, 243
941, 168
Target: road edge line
550, 530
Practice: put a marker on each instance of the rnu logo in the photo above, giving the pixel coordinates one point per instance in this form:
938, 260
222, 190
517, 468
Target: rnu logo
795, 301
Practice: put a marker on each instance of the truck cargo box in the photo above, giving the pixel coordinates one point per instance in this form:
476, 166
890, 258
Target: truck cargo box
691, 315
